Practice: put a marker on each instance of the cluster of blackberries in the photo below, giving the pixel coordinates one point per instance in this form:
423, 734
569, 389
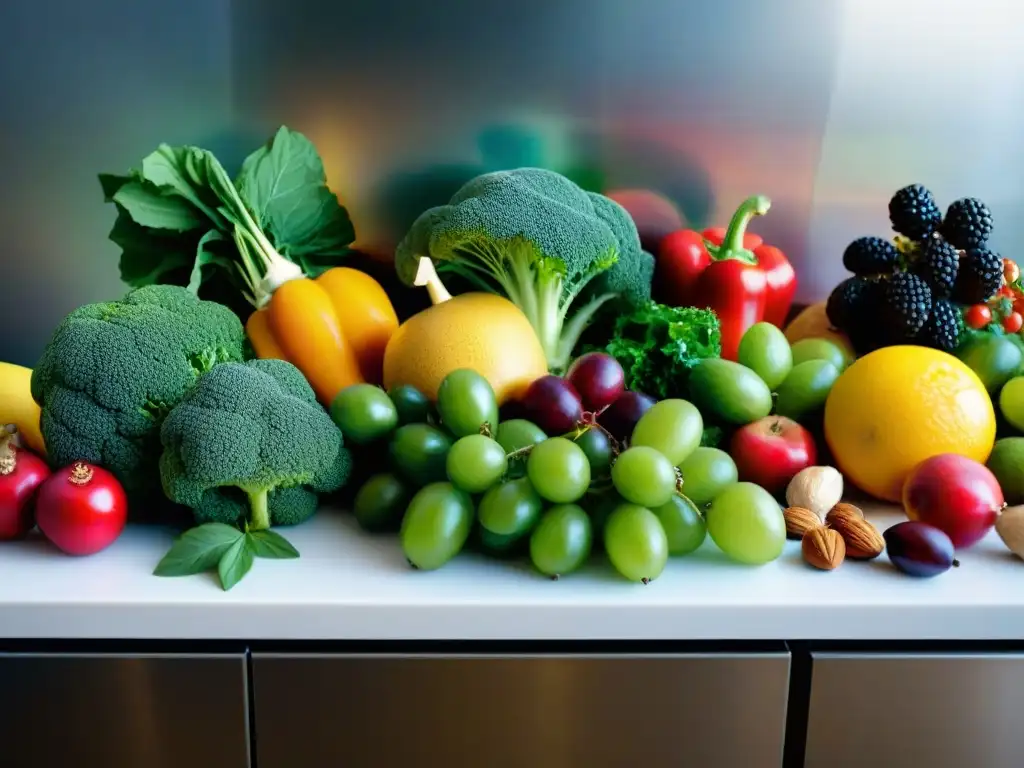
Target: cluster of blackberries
910, 291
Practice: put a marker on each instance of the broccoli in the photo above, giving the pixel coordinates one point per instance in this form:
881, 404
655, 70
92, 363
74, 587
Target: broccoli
112, 371
542, 241
249, 446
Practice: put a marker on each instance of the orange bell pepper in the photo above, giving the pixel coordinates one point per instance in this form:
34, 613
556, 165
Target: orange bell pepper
333, 328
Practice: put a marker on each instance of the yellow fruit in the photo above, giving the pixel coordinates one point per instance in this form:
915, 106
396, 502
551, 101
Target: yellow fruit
17, 406
480, 331
898, 406
813, 323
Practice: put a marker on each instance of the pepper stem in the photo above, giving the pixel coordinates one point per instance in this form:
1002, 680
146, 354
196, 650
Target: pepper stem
8, 458
732, 243
426, 275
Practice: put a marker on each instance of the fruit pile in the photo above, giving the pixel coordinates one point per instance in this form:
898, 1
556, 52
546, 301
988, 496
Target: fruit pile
922, 287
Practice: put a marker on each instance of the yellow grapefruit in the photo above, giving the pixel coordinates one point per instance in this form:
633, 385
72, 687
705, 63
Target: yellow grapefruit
898, 406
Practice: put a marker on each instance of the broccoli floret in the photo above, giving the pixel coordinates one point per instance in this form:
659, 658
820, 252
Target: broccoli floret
112, 372
542, 241
250, 446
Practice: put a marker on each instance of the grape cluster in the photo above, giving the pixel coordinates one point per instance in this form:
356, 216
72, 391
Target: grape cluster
904, 292
579, 463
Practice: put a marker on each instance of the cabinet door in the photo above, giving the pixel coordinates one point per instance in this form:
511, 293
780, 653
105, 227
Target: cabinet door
520, 712
904, 711
123, 711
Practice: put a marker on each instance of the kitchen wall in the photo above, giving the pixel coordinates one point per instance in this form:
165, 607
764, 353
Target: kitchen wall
678, 109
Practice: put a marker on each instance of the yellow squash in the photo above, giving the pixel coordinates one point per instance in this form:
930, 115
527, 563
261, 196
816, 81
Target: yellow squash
481, 331
333, 328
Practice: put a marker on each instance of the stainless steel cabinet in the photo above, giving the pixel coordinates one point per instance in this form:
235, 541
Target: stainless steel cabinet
123, 711
520, 712
907, 711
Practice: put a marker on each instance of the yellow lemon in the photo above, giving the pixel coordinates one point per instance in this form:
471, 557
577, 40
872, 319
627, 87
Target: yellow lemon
898, 406
17, 406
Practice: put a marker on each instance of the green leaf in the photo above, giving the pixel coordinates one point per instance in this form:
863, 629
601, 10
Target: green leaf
110, 183
235, 563
285, 185
204, 256
147, 255
182, 170
271, 545
199, 549
151, 209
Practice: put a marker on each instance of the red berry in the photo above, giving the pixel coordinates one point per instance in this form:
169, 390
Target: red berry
1013, 322
978, 316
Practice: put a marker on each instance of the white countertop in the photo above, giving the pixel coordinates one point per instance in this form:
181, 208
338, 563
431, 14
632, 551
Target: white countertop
350, 585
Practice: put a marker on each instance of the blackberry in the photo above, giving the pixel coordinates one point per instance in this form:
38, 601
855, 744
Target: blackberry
968, 223
870, 256
908, 302
945, 323
913, 212
938, 264
845, 302
981, 275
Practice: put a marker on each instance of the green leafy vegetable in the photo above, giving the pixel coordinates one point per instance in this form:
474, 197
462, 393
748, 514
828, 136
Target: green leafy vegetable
271, 545
181, 220
657, 346
235, 563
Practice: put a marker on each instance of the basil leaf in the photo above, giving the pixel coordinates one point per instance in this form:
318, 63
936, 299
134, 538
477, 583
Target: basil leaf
198, 550
271, 545
285, 185
151, 209
235, 563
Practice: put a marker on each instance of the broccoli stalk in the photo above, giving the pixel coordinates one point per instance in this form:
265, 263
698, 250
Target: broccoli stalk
539, 285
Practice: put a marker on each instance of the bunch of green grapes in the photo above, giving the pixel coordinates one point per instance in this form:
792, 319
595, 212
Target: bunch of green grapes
459, 477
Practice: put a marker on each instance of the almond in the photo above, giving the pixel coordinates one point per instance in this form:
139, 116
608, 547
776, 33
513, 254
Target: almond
863, 541
823, 548
799, 520
842, 509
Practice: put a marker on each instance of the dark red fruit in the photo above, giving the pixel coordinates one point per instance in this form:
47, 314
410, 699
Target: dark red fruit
622, 415
21, 474
598, 378
919, 549
81, 509
553, 405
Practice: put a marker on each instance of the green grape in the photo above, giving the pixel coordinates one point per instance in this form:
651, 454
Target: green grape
820, 349
419, 453
1011, 402
706, 473
475, 463
673, 427
364, 413
412, 405
510, 509
559, 470
746, 523
806, 389
598, 448
636, 543
644, 476
515, 434
380, 502
684, 525
436, 525
498, 545
466, 402
561, 541
599, 506
765, 350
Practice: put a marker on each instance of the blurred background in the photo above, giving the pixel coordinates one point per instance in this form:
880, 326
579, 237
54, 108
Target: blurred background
677, 109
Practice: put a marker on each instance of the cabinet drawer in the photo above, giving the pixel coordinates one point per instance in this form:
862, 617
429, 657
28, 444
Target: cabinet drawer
520, 711
123, 711
899, 710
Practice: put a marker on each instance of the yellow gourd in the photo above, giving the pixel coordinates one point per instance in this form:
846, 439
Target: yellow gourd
481, 331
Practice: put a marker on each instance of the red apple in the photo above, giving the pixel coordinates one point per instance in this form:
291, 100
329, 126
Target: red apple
82, 509
957, 495
770, 451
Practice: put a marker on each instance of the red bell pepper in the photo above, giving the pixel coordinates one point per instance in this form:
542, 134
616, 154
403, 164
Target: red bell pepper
730, 271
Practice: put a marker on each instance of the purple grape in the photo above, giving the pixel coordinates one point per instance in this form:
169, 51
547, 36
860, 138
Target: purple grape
919, 549
553, 405
598, 378
622, 415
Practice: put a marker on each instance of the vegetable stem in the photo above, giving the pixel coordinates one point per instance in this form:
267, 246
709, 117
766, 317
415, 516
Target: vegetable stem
260, 513
426, 275
732, 244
